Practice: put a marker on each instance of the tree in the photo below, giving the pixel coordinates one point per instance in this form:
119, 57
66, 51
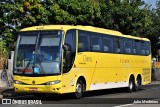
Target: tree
131, 17
126, 16
152, 32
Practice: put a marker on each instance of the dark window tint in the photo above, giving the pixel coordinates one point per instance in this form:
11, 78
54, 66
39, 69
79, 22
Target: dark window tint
107, 44
96, 42
83, 41
127, 46
71, 39
142, 48
136, 47
118, 45
147, 48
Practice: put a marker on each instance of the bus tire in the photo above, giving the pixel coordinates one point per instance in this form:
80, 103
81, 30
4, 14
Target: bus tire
131, 85
79, 89
137, 84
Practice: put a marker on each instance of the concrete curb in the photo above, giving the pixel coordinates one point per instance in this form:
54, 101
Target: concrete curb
3, 89
155, 82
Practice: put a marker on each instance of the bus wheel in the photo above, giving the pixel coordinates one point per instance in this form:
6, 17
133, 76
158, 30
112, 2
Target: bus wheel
137, 84
40, 95
79, 89
131, 85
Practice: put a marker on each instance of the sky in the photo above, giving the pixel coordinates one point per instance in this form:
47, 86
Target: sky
151, 2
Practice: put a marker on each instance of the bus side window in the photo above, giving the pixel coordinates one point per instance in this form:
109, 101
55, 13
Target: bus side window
118, 45
83, 41
134, 47
127, 46
107, 44
142, 49
96, 42
147, 48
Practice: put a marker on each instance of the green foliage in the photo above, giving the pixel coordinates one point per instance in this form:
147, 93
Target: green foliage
3, 56
131, 17
152, 31
126, 16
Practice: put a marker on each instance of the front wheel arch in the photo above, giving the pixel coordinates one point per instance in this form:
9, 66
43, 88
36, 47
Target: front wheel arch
80, 87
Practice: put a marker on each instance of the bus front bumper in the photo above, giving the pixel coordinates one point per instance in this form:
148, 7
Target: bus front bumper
19, 88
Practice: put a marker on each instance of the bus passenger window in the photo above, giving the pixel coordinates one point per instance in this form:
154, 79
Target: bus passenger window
81, 47
128, 47
135, 48
106, 48
95, 42
82, 43
107, 44
147, 48
142, 48
117, 46
95, 48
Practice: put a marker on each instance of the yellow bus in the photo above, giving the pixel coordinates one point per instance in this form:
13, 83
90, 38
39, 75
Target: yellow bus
74, 59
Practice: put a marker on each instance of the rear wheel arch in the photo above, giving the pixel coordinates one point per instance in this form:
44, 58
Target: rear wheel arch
139, 77
131, 82
138, 82
132, 77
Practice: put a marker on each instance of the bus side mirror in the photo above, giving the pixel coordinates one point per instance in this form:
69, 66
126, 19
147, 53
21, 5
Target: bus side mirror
67, 56
66, 47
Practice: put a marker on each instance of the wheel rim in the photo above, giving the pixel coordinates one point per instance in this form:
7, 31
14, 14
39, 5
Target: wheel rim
79, 88
131, 85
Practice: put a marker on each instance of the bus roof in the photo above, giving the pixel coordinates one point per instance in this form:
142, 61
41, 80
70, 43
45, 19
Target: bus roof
80, 27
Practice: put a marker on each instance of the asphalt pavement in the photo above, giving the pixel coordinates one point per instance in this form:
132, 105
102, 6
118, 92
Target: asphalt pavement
110, 97
9, 92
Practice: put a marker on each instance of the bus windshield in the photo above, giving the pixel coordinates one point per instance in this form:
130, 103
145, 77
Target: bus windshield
38, 53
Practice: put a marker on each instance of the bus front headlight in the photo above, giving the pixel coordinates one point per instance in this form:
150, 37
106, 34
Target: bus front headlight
17, 82
53, 82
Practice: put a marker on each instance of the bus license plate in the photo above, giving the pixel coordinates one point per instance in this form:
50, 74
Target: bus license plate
33, 89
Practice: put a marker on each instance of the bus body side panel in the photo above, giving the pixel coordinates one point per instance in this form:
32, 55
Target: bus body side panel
108, 72
112, 70
84, 65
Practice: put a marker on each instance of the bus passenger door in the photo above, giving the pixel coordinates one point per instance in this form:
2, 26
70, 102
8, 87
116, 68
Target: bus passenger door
69, 48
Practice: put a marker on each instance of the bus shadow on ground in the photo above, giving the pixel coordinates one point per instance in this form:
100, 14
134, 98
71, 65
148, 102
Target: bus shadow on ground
65, 97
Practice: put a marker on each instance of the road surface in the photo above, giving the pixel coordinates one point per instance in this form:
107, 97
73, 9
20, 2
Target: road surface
148, 96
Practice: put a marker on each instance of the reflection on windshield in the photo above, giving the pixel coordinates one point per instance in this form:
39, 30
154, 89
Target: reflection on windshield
39, 53
26, 50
